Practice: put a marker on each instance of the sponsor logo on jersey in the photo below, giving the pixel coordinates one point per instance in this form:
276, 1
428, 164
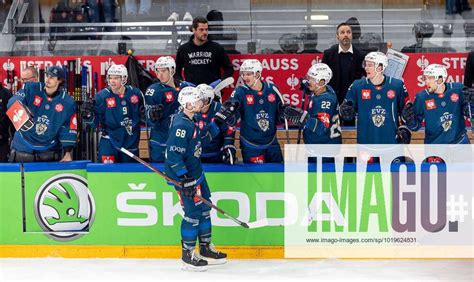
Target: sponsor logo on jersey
230, 130
59, 108
366, 94
64, 205
271, 98
260, 93
37, 101
446, 121
111, 102
134, 99
250, 100
73, 122
378, 116
204, 115
263, 120
391, 94
430, 104
49, 99
180, 150
378, 88
324, 118
169, 97
258, 159
454, 97
108, 159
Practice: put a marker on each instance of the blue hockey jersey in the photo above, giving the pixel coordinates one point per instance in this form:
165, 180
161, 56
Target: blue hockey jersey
322, 126
55, 121
118, 116
161, 94
258, 113
212, 142
378, 109
442, 113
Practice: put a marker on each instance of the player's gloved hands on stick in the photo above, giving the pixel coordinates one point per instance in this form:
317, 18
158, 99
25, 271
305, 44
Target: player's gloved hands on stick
188, 186
347, 111
408, 114
304, 84
403, 135
155, 112
228, 154
227, 112
295, 115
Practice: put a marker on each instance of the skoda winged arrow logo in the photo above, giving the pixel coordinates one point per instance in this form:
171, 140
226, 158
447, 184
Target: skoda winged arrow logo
64, 207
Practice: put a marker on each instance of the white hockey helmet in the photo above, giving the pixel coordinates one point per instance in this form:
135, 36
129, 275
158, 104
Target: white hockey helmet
378, 58
207, 92
437, 71
251, 65
119, 70
189, 94
166, 62
320, 71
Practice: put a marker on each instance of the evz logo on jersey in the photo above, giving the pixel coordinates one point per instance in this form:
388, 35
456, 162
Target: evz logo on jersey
198, 150
42, 124
446, 121
454, 97
127, 123
366, 94
430, 104
134, 99
37, 101
169, 97
111, 103
271, 98
59, 108
250, 100
263, 120
391, 94
378, 116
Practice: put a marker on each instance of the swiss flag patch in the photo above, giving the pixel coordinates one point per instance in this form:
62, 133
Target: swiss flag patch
204, 115
430, 104
108, 159
454, 97
250, 100
271, 98
366, 94
37, 101
134, 99
391, 94
111, 102
324, 118
169, 97
73, 122
59, 108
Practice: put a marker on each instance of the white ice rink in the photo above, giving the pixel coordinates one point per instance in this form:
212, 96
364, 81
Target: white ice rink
138, 270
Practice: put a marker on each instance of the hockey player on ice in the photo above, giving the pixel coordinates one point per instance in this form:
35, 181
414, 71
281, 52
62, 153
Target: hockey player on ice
183, 164
51, 133
378, 101
441, 106
161, 100
117, 112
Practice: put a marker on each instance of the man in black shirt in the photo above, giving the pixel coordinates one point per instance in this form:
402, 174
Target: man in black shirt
201, 58
6, 128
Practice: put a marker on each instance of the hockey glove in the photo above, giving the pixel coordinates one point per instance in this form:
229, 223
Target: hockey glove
226, 113
347, 111
408, 114
295, 115
154, 112
403, 135
188, 186
304, 84
228, 154
468, 94
87, 110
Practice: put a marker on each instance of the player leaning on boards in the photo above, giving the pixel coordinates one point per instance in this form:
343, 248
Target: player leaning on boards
378, 101
50, 133
217, 147
442, 106
183, 164
117, 111
161, 100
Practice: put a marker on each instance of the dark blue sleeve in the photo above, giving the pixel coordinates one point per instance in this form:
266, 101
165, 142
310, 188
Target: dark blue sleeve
419, 112
68, 130
351, 95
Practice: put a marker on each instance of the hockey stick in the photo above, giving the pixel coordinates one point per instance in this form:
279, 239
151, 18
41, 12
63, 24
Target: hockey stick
286, 121
223, 84
256, 224
303, 102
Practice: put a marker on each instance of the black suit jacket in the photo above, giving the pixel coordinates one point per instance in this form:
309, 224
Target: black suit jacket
355, 69
469, 70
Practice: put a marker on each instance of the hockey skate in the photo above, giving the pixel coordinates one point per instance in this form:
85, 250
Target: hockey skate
191, 262
208, 252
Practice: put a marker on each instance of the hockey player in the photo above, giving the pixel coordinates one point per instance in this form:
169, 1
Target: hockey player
378, 101
117, 112
442, 106
161, 100
260, 111
219, 148
183, 152
322, 126
51, 133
